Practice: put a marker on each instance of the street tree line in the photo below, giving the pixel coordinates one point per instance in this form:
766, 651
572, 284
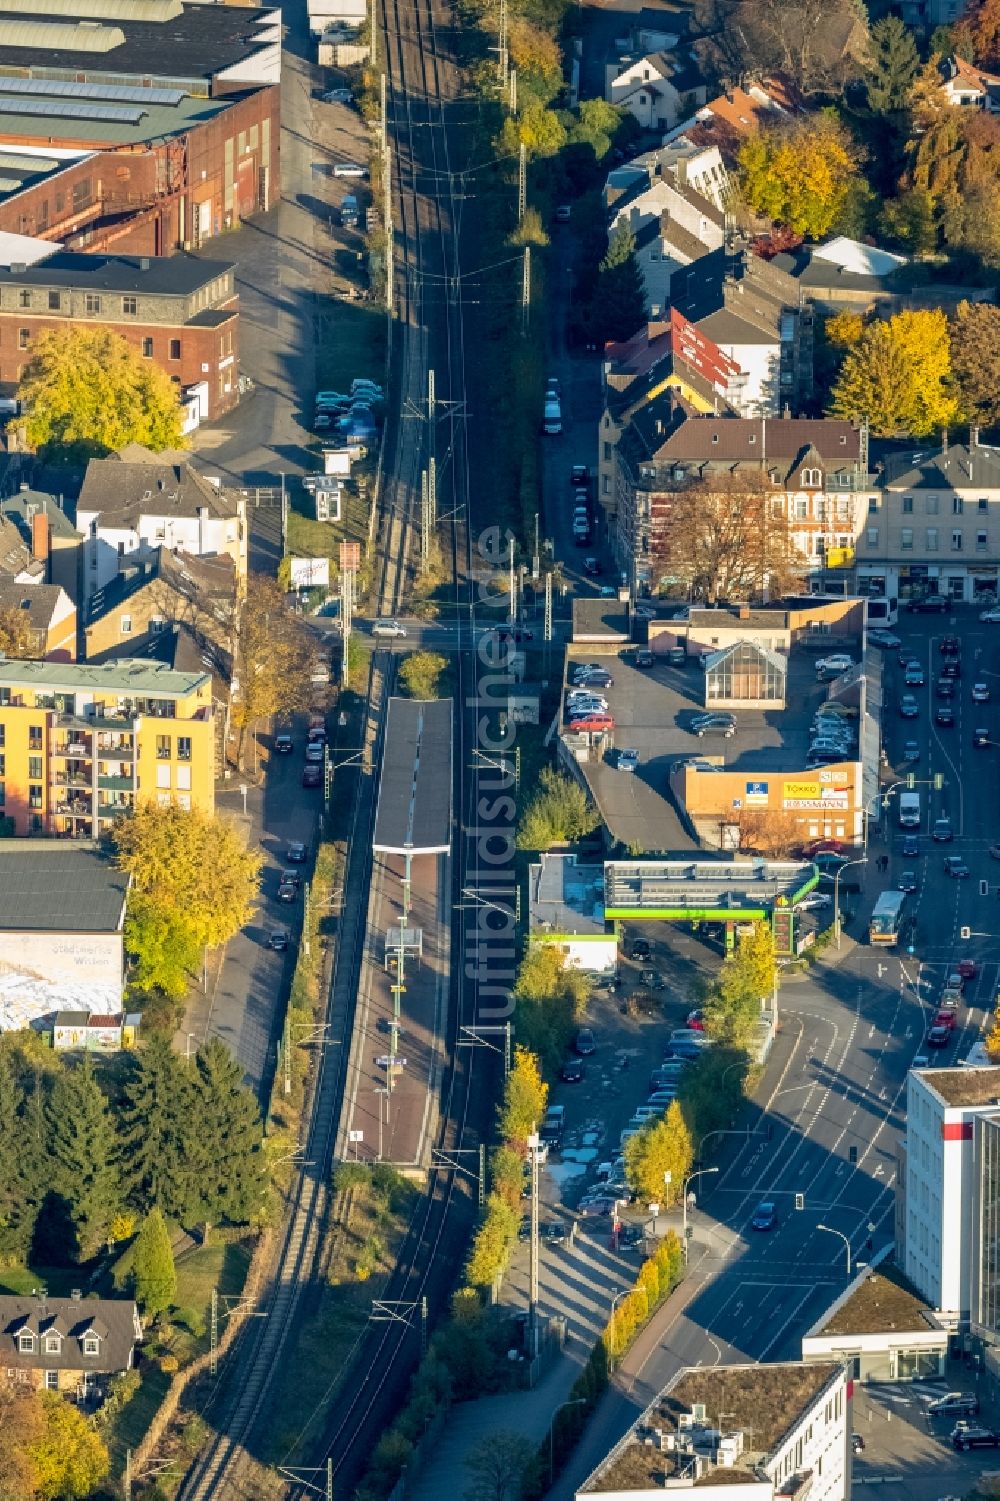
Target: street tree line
81, 1165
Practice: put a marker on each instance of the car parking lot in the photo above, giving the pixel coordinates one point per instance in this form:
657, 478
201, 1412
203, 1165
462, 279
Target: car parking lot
655, 712
908, 1448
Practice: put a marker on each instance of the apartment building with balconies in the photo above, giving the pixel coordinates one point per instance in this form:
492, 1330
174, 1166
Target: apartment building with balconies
82, 744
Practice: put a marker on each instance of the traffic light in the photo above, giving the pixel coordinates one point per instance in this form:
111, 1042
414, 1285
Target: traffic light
800, 1201
911, 780
984, 888
965, 932
938, 780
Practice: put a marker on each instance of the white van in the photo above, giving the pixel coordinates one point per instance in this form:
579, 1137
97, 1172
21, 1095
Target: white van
552, 416
909, 810
388, 628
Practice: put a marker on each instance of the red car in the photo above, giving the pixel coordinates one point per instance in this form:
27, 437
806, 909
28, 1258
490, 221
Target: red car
592, 722
696, 1021
821, 847
967, 968
944, 1019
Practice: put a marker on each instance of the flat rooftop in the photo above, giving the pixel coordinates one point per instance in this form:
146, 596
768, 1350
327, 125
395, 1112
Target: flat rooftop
600, 620
884, 1301
183, 43
963, 1086
49, 886
132, 676
566, 897
171, 275
677, 886
415, 782
762, 1402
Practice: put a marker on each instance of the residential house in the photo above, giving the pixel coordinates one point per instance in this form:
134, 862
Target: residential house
129, 508
815, 471
664, 356
933, 527
49, 540
51, 617
846, 275
753, 312
70, 1345
673, 225
764, 1432
156, 591
964, 84
83, 743
658, 89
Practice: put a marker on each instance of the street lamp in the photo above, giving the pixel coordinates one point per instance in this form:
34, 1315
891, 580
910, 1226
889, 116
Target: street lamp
187, 1048
830, 1231
836, 892
573, 1402
616, 1299
700, 1173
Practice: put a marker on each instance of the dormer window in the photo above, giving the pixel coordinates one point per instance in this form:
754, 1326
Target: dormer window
53, 1343
91, 1344
812, 478
26, 1344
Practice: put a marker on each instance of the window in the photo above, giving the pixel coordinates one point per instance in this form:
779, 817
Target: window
183, 778
35, 768
157, 624
906, 539
24, 297
956, 541
812, 478
52, 1343
801, 510
980, 541
183, 801
183, 747
907, 505
163, 747
34, 795
931, 505
607, 453
957, 505
147, 348
872, 536
92, 302
983, 503
91, 1344
130, 306
175, 349
3, 794
34, 737
872, 504
126, 625
932, 539
55, 301
51, 1381
23, 338
26, 1343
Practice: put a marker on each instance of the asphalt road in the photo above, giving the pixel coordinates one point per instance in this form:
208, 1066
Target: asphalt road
850, 1032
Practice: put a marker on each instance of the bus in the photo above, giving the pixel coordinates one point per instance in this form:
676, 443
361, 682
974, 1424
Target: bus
883, 611
885, 920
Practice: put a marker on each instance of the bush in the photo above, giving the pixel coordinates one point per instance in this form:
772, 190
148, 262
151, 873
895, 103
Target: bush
559, 813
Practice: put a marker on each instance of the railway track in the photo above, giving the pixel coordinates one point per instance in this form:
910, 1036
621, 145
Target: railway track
430, 334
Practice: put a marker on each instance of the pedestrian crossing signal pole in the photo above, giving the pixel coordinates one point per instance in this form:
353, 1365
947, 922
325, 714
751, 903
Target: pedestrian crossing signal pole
513, 91
547, 630
526, 289
522, 183
425, 521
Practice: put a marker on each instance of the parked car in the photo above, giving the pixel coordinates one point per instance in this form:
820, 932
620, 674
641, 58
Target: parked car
990, 617
337, 96
955, 1404
288, 886
836, 664
572, 1071
929, 604
584, 1043
314, 753
312, 776
884, 639
811, 900
592, 567
716, 724
857, 1443
628, 760
908, 707
283, 742
296, 852
641, 948
592, 723
349, 169
278, 939
975, 1436
389, 628
643, 659
765, 1217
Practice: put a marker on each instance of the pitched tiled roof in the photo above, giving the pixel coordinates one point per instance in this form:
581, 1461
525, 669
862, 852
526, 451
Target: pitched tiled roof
121, 492
114, 1322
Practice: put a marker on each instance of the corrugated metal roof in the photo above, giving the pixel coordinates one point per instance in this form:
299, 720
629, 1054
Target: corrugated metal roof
59, 109
60, 36
92, 92
29, 166
114, 10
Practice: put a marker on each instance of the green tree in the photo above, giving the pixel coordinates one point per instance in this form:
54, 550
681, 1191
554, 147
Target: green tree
550, 999
69, 1458
15, 1229
17, 636
84, 1156
538, 129
621, 292
910, 220
421, 674
86, 390
893, 62
154, 1118
596, 125
223, 1170
193, 882
498, 1466
524, 1098
660, 1148
800, 174
975, 359
274, 659
164, 951
559, 813
22, 1425
898, 377
747, 978
153, 1266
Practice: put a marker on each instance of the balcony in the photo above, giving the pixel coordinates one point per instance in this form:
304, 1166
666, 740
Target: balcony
121, 747
72, 779
79, 749
115, 784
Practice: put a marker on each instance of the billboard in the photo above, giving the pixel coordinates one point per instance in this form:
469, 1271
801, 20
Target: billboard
756, 794
310, 573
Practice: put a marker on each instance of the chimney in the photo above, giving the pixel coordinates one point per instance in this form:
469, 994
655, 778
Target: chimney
39, 537
944, 440
24, 487
974, 437
744, 612
144, 263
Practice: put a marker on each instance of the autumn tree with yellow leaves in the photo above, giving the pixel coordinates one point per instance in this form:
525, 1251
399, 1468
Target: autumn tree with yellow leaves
898, 377
802, 174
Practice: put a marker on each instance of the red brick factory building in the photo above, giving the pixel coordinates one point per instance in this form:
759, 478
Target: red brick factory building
137, 126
